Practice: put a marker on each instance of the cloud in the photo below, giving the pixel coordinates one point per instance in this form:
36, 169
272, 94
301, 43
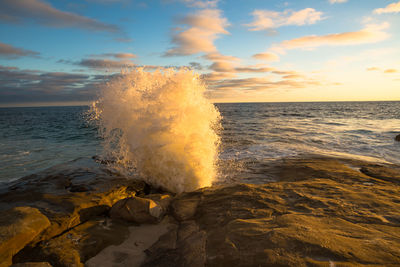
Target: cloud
218, 76
337, 1
391, 8
267, 56
40, 12
18, 86
224, 73
390, 71
195, 65
7, 68
266, 19
263, 83
387, 71
11, 52
105, 64
254, 69
215, 56
204, 27
222, 66
117, 55
370, 34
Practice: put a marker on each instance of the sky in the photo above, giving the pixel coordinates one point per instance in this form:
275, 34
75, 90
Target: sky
61, 52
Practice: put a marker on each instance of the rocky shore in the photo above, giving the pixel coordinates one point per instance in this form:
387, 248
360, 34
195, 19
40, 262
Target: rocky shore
314, 212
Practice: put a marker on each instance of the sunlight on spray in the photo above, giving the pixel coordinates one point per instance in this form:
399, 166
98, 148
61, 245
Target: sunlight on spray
161, 124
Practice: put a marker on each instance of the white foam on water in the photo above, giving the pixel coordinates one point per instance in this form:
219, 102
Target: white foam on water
161, 124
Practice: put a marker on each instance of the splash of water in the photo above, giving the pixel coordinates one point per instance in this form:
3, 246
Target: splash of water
161, 124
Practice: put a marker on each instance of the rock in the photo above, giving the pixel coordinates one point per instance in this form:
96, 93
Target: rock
185, 247
381, 172
184, 207
163, 200
18, 227
132, 251
137, 210
321, 213
76, 246
69, 194
397, 138
316, 212
32, 264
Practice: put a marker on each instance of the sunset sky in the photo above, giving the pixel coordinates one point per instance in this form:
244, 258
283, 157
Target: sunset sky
60, 52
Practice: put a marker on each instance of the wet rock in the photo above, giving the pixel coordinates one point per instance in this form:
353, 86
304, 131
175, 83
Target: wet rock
137, 210
166, 242
183, 246
164, 200
132, 251
397, 138
76, 246
69, 194
79, 188
18, 227
184, 207
382, 173
32, 264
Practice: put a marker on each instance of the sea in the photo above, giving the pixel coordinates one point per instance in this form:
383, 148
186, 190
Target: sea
35, 138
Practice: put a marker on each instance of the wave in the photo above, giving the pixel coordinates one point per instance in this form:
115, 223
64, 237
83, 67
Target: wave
160, 124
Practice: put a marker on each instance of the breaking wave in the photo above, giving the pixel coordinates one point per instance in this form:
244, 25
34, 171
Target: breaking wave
161, 124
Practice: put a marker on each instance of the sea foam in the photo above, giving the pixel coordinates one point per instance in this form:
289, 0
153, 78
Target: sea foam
161, 124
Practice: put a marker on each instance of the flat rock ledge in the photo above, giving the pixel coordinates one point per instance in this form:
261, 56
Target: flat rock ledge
315, 212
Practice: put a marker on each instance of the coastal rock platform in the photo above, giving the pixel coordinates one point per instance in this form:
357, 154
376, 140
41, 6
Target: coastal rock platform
316, 211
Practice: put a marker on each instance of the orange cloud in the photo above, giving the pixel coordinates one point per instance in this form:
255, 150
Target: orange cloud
267, 56
205, 26
266, 19
121, 55
390, 71
370, 34
254, 69
373, 69
215, 56
116, 55
391, 8
262, 83
222, 66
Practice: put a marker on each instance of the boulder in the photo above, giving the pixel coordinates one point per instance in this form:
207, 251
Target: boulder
164, 200
76, 246
18, 227
397, 138
69, 194
137, 210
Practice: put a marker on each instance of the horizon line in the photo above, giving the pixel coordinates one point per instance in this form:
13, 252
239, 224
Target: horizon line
79, 104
